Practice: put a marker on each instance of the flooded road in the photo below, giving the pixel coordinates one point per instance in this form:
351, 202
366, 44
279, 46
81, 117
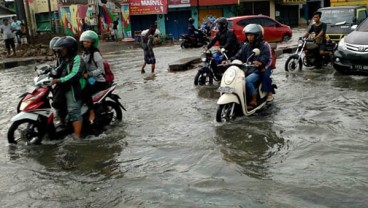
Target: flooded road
308, 149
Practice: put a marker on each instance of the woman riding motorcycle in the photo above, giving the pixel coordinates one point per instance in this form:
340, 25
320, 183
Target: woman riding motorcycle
95, 68
254, 39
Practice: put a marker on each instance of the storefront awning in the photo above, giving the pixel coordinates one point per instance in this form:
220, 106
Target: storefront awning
291, 2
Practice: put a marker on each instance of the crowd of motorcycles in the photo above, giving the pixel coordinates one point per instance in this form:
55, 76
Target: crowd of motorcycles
233, 96
35, 118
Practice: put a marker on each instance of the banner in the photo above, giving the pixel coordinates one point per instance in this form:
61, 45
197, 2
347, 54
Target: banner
141, 7
178, 3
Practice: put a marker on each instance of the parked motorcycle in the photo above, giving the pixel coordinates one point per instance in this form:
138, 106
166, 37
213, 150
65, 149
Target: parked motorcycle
234, 98
211, 69
192, 41
307, 54
35, 118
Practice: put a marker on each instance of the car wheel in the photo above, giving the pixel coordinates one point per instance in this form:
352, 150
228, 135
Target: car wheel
286, 38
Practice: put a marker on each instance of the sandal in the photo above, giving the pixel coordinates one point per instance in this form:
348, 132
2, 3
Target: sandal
251, 106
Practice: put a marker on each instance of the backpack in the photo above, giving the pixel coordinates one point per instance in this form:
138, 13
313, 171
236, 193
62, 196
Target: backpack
109, 76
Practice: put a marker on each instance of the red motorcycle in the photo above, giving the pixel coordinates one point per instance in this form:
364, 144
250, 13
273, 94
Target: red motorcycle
35, 118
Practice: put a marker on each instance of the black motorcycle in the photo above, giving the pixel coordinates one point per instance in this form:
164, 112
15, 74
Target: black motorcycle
211, 69
194, 41
307, 54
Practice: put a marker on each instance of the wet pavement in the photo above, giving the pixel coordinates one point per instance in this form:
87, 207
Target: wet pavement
307, 149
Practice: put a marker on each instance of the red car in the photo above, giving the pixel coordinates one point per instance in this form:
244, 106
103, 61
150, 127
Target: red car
273, 30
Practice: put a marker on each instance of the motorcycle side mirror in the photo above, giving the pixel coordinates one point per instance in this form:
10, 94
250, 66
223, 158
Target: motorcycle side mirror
256, 51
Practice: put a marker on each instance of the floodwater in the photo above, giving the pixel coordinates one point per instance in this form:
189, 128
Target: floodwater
308, 149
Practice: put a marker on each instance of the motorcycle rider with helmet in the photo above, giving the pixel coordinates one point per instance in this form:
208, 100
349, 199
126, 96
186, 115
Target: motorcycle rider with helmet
225, 37
71, 80
193, 31
95, 68
254, 39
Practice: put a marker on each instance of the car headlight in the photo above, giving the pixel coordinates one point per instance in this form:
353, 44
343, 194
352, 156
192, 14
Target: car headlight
342, 45
229, 76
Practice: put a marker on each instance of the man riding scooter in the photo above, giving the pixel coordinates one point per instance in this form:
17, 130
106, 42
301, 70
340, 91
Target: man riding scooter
262, 62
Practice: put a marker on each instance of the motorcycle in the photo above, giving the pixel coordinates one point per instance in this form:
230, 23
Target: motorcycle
234, 98
35, 117
307, 54
212, 69
192, 41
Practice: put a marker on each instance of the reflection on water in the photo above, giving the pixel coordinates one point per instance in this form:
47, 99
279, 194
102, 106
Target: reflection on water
208, 92
250, 145
87, 157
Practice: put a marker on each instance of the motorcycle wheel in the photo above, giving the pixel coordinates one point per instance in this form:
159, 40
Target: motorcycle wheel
200, 79
223, 113
116, 110
24, 130
292, 63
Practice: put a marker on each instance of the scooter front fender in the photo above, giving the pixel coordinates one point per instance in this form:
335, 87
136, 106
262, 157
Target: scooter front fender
228, 98
24, 115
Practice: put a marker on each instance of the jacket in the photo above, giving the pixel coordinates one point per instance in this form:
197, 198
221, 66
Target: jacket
72, 77
227, 40
265, 56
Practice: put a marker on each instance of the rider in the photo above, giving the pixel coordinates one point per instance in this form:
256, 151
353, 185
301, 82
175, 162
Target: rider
254, 39
225, 37
71, 80
319, 28
95, 68
192, 31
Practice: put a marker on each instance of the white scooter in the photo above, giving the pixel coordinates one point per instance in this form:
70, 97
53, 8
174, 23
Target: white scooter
233, 100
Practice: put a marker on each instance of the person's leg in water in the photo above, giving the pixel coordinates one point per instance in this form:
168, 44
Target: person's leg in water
74, 113
98, 86
153, 68
250, 80
143, 66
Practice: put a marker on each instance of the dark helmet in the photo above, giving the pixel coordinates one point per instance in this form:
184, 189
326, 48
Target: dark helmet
222, 23
69, 43
191, 20
53, 41
255, 29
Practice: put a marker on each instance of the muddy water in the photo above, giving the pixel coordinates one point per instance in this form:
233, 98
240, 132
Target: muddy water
307, 149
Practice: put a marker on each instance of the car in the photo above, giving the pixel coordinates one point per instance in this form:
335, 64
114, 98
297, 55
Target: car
352, 52
339, 19
273, 30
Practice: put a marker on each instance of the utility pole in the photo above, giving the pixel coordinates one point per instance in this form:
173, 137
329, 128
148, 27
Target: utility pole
51, 25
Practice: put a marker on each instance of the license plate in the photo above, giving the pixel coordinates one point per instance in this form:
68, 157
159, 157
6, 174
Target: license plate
360, 67
225, 90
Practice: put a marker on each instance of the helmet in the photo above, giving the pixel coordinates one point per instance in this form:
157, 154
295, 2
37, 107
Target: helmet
191, 20
53, 41
222, 23
90, 35
255, 29
67, 42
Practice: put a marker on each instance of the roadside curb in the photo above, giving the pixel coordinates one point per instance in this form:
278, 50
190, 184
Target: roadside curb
186, 63
6, 64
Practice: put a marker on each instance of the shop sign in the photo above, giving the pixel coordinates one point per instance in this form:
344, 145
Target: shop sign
141, 7
178, 3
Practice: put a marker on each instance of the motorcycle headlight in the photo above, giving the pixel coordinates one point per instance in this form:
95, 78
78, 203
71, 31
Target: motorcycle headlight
203, 59
342, 45
300, 43
229, 76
